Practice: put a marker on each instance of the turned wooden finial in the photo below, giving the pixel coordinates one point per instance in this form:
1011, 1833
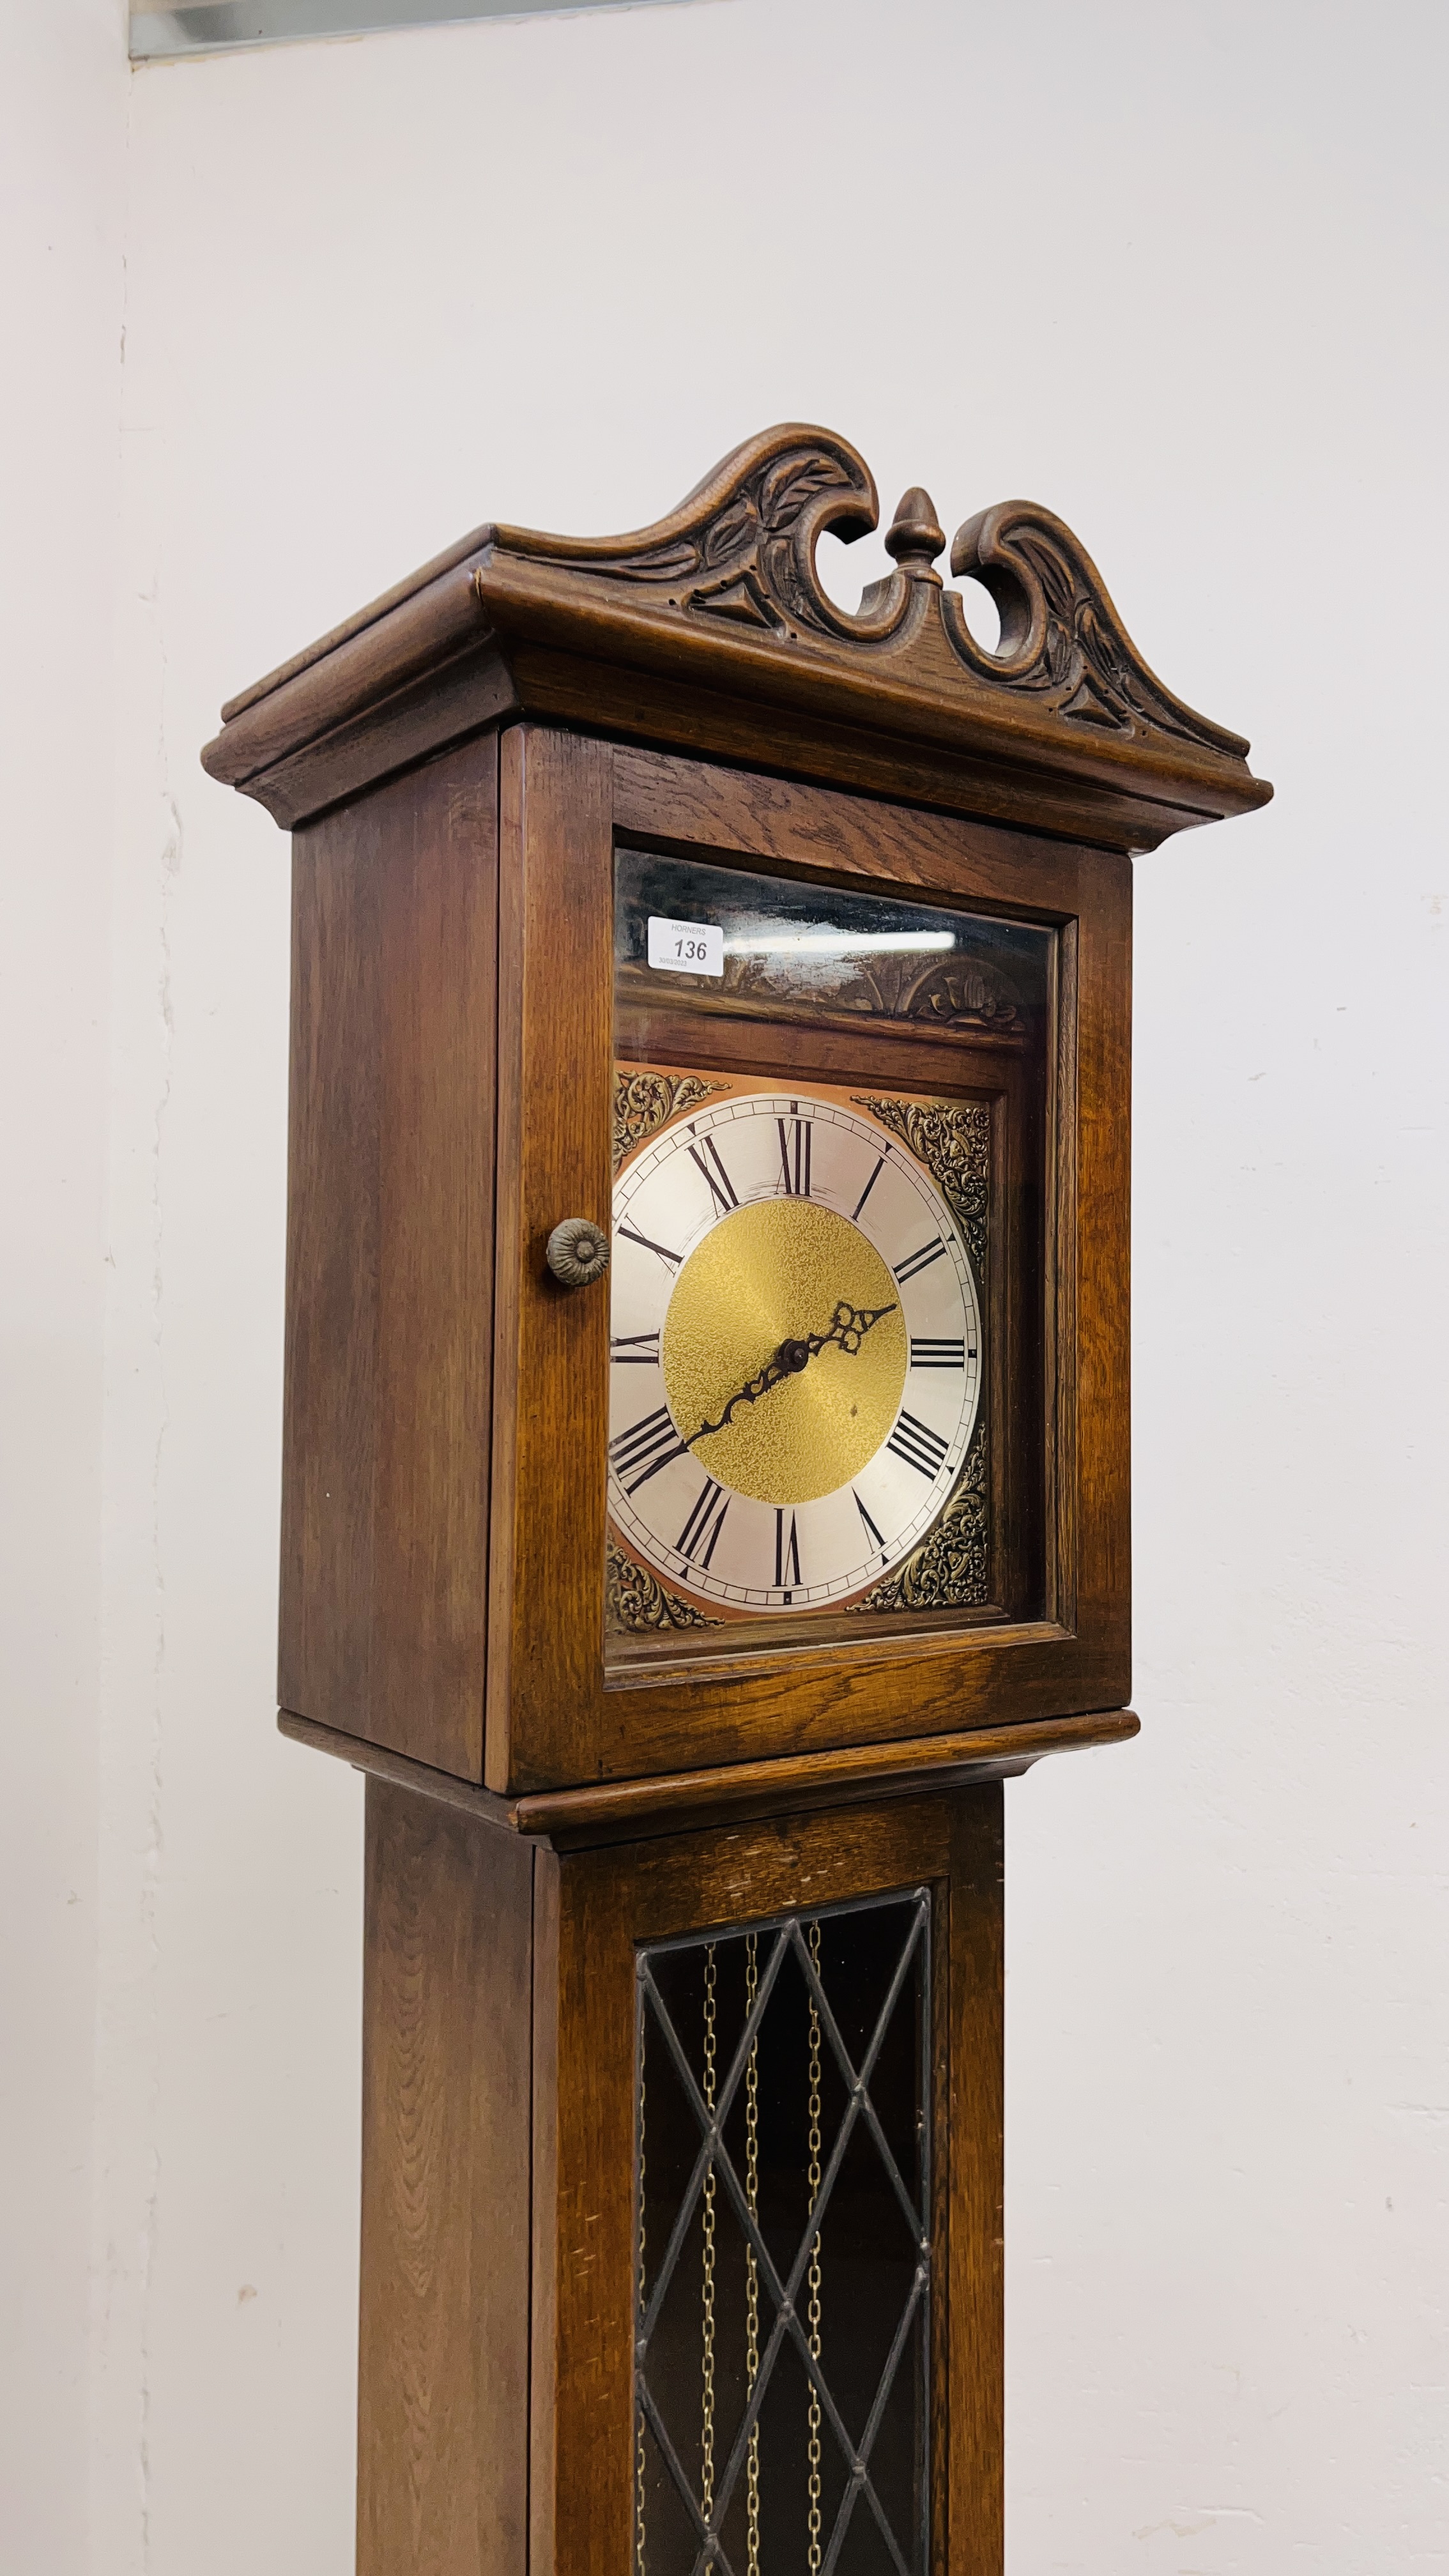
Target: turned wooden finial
915, 537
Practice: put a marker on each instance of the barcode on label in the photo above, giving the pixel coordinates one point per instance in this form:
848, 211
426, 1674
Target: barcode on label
686, 947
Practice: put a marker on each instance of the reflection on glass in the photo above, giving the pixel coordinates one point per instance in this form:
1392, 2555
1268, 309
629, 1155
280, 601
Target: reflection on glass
818, 949
794, 1061
783, 2273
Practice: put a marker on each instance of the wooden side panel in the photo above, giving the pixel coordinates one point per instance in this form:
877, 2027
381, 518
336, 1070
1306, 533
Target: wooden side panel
444, 2357
975, 2289
385, 1535
329, 1438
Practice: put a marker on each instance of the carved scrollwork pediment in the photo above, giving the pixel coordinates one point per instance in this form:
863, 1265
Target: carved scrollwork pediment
1061, 638
741, 546
740, 553
713, 629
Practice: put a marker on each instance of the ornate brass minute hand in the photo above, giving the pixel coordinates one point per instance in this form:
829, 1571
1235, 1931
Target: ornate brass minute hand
848, 1326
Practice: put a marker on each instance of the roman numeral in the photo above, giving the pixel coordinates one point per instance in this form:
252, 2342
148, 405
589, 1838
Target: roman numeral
872, 1533
635, 1350
919, 1446
706, 1160
795, 1156
673, 1258
865, 1193
920, 1260
704, 1524
787, 1554
650, 1445
938, 1354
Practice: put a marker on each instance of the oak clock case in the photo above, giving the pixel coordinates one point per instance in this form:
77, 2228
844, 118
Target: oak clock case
1000, 1597
705, 1478
827, 1242
468, 767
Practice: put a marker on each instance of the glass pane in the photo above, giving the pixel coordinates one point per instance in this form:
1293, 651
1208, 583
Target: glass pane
783, 2282
815, 949
828, 1285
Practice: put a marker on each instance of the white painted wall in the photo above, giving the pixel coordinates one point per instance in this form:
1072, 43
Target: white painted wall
62, 136
1178, 273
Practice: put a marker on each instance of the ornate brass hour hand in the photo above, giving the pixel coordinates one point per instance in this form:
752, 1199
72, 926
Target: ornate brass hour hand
848, 1326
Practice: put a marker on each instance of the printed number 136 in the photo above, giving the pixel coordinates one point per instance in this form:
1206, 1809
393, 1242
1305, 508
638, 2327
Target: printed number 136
686, 947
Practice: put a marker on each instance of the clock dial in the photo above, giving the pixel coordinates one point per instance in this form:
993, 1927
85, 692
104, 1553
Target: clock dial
795, 1353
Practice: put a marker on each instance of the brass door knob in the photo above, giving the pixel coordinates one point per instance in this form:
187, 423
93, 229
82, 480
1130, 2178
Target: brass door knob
577, 1252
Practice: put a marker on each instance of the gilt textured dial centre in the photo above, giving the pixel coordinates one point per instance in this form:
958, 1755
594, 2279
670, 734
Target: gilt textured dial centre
772, 1274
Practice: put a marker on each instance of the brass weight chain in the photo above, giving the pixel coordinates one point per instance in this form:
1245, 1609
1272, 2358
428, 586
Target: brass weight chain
752, 2276
812, 2450
706, 2430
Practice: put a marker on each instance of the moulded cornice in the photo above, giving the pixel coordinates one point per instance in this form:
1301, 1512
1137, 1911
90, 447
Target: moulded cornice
712, 629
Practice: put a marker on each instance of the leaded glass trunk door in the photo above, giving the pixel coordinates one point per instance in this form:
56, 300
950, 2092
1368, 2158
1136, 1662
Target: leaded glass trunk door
783, 2256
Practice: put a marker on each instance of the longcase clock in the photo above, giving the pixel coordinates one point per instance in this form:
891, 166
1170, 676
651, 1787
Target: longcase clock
705, 1479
